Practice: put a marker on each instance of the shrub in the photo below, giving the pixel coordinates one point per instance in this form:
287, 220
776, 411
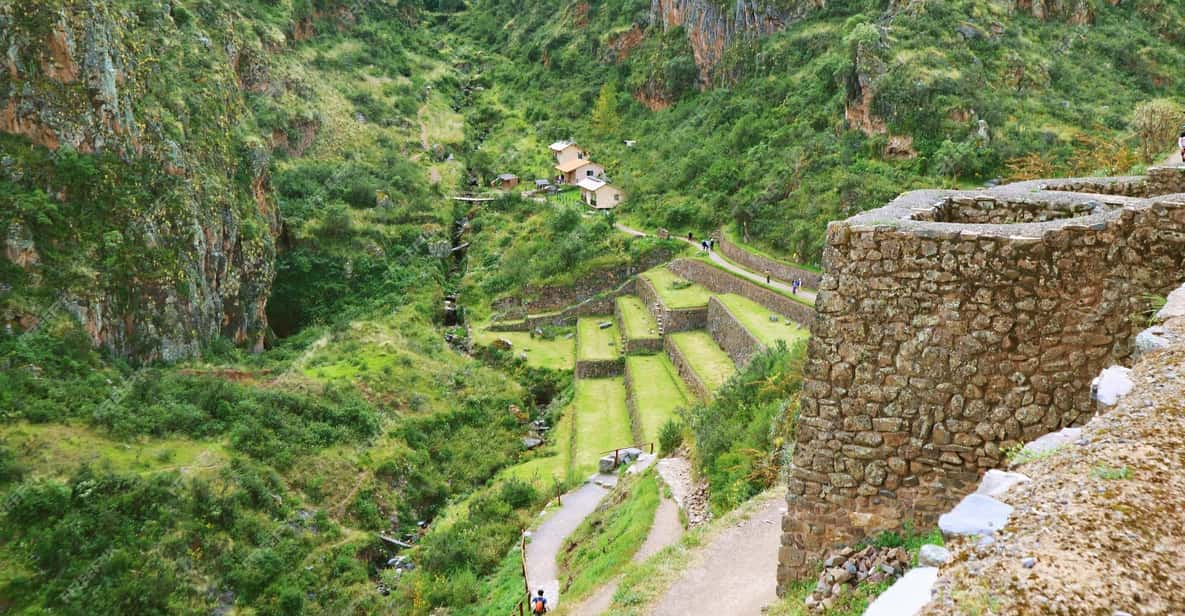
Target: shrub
670, 436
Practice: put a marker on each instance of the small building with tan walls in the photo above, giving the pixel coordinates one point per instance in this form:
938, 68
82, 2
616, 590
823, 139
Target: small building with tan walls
566, 151
600, 194
575, 170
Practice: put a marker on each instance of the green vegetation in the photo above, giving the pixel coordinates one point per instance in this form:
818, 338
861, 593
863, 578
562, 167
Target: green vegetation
1109, 473
744, 435
636, 319
594, 343
658, 392
557, 353
607, 539
755, 318
602, 421
706, 358
676, 292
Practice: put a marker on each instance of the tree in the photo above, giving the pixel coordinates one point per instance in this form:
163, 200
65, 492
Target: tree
1155, 122
604, 115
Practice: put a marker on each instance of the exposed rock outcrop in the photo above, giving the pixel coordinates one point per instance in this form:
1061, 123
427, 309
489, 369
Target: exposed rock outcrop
195, 244
711, 28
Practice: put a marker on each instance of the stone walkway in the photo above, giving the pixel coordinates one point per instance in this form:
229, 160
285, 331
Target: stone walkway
805, 293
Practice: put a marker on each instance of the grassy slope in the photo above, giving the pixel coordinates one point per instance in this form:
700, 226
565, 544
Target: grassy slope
657, 390
594, 343
706, 357
636, 319
556, 354
602, 421
607, 539
676, 292
755, 318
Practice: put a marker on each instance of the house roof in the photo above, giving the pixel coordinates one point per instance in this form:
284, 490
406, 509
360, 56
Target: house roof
560, 146
542, 183
505, 177
592, 184
573, 165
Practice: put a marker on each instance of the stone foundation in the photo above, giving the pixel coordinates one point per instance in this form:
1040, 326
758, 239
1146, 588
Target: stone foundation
938, 345
599, 368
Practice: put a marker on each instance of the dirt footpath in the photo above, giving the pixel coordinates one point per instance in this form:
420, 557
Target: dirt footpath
735, 573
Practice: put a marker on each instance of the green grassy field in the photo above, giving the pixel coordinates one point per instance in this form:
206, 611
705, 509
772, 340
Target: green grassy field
558, 353
594, 343
658, 392
636, 319
706, 357
755, 318
676, 292
602, 421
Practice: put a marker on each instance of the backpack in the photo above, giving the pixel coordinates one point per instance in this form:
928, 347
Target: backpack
538, 605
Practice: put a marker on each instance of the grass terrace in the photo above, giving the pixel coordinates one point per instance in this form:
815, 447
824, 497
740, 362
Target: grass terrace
559, 353
709, 361
658, 392
636, 319
602, 421
755, 318
594, 343
676, 292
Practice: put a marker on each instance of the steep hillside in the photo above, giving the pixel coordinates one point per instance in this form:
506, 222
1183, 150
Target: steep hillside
830, 110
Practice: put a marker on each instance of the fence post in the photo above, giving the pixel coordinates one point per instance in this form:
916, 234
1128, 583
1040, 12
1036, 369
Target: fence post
526, 584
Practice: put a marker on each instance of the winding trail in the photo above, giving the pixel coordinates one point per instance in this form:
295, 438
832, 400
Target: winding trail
547, 540
665, 531
733, 268
735, 573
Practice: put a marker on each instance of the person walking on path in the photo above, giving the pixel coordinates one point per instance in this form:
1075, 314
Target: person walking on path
766, 276
539, 603
1181, 145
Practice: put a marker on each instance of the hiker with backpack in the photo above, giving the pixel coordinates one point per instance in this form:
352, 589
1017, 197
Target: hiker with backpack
539, 603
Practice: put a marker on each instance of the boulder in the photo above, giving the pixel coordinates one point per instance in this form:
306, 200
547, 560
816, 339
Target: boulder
908, 596
933, 556
1152, 339
1054, 440
531, 443
976, 514
607, 464
996, 482
605, 324
1111, 385
502, 343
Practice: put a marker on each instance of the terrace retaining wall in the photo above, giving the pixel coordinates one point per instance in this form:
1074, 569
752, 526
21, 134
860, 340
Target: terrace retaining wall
673, 319
731, 335
686, 372
758, 263
717, 280
599, 368
604, 303
939, 345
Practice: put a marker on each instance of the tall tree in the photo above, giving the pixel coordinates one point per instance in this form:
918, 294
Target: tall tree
604, 115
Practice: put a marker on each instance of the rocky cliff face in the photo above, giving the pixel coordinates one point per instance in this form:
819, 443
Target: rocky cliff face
180, 250
712, 26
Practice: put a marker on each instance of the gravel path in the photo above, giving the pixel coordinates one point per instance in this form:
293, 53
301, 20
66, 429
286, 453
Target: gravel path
735, 573
735, 269
545, 541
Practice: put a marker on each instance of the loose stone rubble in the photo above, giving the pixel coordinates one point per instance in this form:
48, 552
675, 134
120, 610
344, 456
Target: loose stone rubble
847, 568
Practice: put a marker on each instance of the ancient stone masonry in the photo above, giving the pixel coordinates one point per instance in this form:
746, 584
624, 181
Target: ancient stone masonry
673, 319
596, 305
733, 337
599, 368
686, 372
758, 263
534, 300
717, 280
952, 325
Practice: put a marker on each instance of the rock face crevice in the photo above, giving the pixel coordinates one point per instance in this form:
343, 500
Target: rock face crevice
938, 345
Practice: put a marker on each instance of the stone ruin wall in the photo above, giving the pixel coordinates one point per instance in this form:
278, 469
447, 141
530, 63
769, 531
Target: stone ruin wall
758, 263
733, 337
939, 345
